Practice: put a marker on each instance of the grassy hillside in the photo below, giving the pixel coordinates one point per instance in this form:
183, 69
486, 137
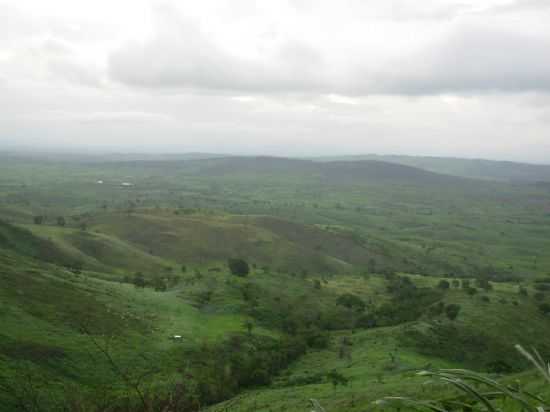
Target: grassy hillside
382, 361
471, 168
342, 302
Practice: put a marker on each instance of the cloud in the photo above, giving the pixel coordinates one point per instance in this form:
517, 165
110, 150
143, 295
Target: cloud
467, 59
472, 60
182, 56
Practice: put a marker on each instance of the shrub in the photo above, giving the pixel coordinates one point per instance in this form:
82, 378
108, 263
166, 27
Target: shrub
443, 284
544, 308
539, 296
351, 301
452, 311
522, 291
471, 291
238, 267
139, 280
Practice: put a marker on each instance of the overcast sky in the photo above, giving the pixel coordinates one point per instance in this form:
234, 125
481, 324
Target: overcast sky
298, 77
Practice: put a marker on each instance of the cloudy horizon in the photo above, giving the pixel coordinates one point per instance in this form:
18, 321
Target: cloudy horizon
459, 78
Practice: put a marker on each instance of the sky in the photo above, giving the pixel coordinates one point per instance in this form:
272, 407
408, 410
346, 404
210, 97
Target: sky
464, 78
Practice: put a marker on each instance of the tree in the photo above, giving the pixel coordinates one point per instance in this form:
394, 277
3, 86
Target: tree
139, 280
456, 283
371, 266
61, 221
159, 284
351, 301
38, 220
249, 325
183, 268
544, 308
484, 284
443, 284
522, 291
337, 378
452, 311
238, 267
471, 291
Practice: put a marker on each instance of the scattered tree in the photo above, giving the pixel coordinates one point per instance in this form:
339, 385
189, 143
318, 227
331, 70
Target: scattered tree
544, 308
139, 280
238, 267
351, 301
452, 311
159, 284
443, 284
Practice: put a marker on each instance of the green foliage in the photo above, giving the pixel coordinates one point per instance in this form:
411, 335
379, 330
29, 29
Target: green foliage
139, 280
351, 301
443, 284
238, 267
477, 391
544, 308
159, 284
452, 311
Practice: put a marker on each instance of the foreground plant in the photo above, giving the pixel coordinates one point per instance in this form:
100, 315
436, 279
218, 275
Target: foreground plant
471, 397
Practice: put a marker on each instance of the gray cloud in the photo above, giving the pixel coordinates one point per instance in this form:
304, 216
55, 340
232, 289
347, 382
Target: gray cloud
300, 77
469, 59
182, 56
472, 60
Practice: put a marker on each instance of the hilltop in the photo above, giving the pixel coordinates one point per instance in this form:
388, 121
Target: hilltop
471, 168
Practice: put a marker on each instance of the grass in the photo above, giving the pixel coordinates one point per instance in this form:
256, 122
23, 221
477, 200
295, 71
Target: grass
310, 237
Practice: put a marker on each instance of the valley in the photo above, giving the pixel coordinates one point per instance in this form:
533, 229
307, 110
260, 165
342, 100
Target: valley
358, 274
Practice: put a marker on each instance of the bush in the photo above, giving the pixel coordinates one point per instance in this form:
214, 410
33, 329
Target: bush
159, 284
471, 291
139, 280
522, 291
452, 311
443, 284
351, 301
437, 309
366, 321
544, 308
238, 267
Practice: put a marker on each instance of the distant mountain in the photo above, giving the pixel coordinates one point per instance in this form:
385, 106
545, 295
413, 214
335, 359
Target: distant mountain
471, 168
105, 157
333, 172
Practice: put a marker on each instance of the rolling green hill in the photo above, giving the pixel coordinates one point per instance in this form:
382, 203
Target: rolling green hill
343, 302
471, 168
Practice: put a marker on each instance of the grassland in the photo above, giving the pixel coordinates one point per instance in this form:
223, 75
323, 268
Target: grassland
311, 232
